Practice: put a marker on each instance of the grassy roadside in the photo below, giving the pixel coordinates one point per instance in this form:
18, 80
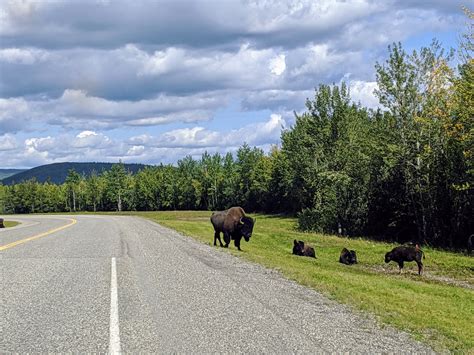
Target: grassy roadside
9, 224
437, 308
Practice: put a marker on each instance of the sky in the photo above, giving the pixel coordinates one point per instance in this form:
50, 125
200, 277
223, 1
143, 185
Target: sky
154, 81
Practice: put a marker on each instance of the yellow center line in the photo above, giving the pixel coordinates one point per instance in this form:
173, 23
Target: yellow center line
21, 241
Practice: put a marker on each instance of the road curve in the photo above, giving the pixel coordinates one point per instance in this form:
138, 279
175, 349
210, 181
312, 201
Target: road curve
172, 294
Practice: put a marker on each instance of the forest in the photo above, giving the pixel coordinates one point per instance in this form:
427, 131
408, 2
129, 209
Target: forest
403, 172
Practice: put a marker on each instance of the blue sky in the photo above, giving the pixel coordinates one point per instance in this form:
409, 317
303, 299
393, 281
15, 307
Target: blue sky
154, 81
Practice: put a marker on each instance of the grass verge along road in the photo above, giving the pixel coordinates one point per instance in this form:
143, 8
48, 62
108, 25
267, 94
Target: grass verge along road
436, 308
9, 224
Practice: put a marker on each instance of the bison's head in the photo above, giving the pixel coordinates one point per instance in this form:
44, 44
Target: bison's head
298, 247
388, 257
352, 257
246, 227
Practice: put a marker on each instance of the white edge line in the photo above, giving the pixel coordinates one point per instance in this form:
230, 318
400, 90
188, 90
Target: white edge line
114, 342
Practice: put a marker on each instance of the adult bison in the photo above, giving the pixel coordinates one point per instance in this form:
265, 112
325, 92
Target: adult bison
234, 224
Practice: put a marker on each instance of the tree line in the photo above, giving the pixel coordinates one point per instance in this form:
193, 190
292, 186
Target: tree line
402, 172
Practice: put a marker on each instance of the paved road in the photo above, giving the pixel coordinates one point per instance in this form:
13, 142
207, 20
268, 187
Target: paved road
113, 283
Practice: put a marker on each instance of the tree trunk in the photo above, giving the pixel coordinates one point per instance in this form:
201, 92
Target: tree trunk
74, 200
119, 203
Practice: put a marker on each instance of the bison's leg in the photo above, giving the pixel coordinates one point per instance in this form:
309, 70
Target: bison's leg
400, 265
217, 236
420, 267
237, 243
226, 239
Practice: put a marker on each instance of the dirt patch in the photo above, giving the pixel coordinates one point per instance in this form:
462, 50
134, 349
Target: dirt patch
450, 281
426, 275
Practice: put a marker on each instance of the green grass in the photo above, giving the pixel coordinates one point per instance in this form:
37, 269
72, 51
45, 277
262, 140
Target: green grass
8, 224
437, 308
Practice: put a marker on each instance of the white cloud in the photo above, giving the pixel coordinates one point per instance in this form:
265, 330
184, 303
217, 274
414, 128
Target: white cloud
76, 109
180, 116
85, 134
23, 55
84, 146
277, 65
198, 137
276, 99
136, 150
14, 115
105, 69
317, 59
363, 92
15, 13
80, 103
7, 142
270, 17
42, 144
91, 139
162, 62
243, 68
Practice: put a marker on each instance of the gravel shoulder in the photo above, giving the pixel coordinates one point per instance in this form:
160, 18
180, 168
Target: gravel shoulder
232, 305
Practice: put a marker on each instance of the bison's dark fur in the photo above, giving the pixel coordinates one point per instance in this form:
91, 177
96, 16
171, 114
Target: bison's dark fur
217, 220
348, 257
234, 224
2, 225
303, 250
406, 253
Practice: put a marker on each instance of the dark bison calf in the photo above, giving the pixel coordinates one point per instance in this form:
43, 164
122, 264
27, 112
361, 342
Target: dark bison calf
303, 250
406, 253
348, 257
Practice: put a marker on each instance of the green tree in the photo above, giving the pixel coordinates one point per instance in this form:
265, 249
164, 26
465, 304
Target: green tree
230, 183
72, 182
324, 163
188, 186
210, 181
416, 91
94, 190
246, 163
116, 185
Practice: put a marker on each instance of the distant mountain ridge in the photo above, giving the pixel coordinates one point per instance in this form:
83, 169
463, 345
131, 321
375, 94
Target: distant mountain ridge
4, 173
57, 172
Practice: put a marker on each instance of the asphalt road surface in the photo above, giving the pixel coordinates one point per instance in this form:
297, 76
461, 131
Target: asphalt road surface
125, 284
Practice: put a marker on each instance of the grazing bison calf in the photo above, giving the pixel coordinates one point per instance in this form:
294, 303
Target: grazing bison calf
303, 250
234, 224
348, 257
406, 253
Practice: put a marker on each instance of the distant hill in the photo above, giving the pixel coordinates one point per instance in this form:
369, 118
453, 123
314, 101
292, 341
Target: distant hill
57, 172
4, 173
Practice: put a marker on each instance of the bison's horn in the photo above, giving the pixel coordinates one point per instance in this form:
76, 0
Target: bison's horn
241, 221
